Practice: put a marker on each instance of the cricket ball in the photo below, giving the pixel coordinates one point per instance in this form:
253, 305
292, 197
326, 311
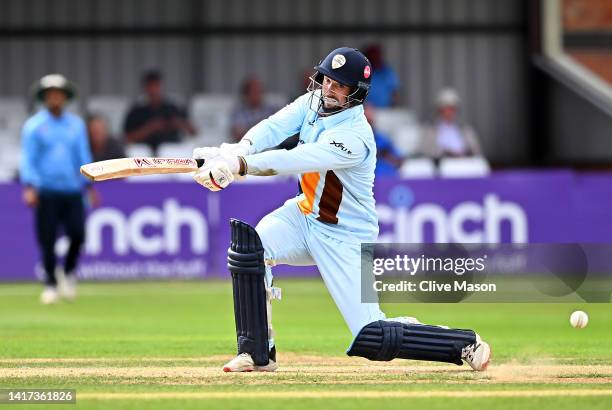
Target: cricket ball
579, 319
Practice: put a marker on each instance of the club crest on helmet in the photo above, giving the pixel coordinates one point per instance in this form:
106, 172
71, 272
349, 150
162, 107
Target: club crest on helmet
338, 61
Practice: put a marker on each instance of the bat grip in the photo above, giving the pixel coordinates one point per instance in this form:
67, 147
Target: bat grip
200, 162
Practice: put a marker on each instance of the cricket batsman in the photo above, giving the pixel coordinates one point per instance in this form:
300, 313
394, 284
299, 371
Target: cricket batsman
325, 138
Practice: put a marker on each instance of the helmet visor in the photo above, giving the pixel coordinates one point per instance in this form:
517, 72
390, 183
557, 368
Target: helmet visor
330, 101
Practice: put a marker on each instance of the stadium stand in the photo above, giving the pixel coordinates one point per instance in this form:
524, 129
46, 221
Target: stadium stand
418, 168
210, 113
469, 167
138, 150
401, 125
113, 108
13, 113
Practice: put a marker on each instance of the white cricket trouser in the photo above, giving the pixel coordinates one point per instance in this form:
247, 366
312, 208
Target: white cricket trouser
288, 237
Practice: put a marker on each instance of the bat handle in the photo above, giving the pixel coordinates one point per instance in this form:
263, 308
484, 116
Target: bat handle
200, 162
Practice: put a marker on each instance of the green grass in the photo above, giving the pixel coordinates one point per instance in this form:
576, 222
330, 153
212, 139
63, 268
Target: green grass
183, 332
348, 404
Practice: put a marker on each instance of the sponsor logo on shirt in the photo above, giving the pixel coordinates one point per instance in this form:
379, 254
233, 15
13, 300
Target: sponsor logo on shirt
341, 146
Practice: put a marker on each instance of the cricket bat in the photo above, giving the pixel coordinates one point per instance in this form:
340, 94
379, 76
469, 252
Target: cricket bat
127, 167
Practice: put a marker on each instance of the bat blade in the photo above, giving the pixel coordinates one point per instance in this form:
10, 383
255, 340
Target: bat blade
127, 167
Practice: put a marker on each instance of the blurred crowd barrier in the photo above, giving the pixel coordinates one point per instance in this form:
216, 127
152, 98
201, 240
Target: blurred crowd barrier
173, 229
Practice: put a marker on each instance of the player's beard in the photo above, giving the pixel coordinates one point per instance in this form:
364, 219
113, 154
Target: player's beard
330, 103
330, 106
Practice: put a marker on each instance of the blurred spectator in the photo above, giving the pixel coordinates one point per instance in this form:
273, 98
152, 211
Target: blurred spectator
384, 90
157, 120
251, 109
103, 145
448, 137
54, 147
388, 158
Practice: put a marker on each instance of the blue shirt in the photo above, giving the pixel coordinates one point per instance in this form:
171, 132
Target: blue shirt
335, 158
53, 150
383, 143
384, 84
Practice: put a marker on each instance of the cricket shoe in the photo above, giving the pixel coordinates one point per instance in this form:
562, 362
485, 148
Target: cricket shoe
244, 363
68, 287
49, 296
477, 355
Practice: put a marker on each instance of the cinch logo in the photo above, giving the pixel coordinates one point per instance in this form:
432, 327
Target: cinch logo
432, 223
163, 226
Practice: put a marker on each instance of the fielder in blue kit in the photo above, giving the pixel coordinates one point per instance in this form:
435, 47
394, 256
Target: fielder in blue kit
54, 146
325, 138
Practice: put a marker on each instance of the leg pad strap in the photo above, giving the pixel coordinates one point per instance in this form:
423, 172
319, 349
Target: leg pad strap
386, 340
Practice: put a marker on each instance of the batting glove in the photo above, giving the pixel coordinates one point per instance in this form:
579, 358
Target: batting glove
242, 148
218, 173
206, 153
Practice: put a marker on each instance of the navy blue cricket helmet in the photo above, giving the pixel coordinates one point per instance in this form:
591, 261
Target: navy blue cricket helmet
350, 67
